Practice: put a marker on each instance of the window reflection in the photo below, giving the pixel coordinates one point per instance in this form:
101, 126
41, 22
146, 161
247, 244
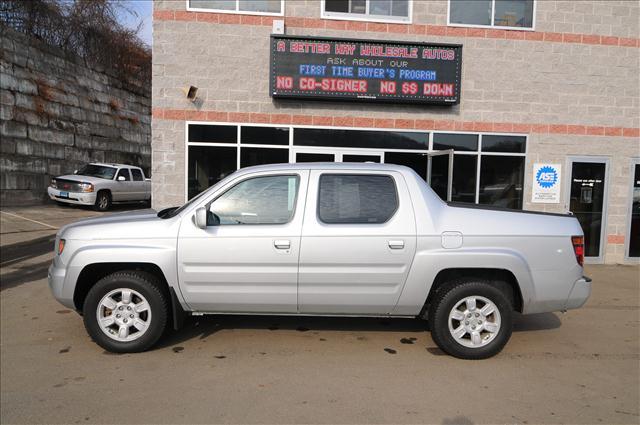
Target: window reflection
501, 179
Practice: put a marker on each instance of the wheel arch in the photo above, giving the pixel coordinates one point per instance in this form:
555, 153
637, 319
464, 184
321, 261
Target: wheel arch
494, 276
92, 273
431, 268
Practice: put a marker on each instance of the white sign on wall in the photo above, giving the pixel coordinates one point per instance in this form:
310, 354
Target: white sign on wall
546, 183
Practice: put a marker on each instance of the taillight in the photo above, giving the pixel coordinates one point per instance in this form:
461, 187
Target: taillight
578, 248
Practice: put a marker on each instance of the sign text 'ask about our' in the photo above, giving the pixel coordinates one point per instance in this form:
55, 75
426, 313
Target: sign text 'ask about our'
368, 70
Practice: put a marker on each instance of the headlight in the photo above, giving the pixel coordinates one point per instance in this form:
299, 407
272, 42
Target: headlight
86, 187
61, 243
54, 183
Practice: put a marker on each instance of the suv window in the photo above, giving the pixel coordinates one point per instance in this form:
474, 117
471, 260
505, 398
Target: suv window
125, 173
137, 175
258, 200
356, 198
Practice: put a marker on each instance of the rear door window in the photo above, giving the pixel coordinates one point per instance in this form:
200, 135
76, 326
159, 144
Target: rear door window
137, 175
356, 198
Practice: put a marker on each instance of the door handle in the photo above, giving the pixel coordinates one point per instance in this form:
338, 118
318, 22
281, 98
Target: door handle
396, 244
282, 244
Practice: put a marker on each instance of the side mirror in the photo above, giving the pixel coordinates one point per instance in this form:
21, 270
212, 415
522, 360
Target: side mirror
121, 178
201, 217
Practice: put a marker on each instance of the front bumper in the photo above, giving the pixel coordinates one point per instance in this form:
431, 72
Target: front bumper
56, 276
579, 293
78, 198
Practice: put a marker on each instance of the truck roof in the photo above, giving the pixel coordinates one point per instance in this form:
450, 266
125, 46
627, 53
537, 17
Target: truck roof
327, 166
111, 164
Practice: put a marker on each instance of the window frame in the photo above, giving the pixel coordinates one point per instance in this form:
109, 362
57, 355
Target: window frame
298, 177
492, 25
351, 174
237, 11
291, 147
365, 17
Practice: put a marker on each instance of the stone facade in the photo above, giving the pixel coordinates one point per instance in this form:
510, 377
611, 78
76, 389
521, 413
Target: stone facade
57, 114
571, 85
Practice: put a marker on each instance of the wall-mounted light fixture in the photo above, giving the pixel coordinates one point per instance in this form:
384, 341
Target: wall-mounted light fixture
191, 93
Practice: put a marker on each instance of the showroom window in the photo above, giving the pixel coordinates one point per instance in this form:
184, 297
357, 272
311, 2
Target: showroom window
487, 168
252, 7
368, 10
513, 14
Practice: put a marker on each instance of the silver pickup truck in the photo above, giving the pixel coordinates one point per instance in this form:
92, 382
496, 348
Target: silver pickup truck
320, 239
100, 185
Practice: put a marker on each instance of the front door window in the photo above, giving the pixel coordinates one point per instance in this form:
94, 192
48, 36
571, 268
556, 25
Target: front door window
587, 202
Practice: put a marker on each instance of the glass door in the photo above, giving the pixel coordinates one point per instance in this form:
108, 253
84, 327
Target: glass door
633, 244
587, 201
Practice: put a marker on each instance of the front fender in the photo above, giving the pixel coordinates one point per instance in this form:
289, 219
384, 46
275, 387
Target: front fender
428, 263
160, 252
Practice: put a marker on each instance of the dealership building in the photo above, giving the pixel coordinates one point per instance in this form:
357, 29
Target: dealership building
524, 104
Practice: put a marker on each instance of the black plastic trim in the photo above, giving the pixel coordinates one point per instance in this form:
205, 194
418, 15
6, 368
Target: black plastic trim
177, 311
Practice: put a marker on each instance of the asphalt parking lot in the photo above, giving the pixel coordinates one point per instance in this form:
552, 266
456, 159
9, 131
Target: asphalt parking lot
578, 367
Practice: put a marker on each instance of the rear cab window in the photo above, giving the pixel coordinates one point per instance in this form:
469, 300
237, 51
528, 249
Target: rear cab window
356, 198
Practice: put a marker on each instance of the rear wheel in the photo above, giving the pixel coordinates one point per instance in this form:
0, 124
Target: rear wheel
126, 312
471, 319
103, 201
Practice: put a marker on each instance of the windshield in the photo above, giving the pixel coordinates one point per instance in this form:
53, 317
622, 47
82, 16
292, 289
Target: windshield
99, 171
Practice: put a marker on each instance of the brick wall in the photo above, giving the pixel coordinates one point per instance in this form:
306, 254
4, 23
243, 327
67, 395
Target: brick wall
57, 114
572, 84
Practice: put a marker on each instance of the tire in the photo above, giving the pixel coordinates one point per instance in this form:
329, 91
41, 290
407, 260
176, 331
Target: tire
103, 201
481, 335
145, 323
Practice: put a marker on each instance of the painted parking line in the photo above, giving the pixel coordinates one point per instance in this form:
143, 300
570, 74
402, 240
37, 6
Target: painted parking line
28, 219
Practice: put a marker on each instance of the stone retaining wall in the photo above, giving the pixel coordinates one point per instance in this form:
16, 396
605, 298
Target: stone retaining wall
57, 114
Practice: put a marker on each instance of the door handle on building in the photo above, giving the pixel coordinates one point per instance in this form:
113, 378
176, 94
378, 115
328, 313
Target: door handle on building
282, 244
396, 244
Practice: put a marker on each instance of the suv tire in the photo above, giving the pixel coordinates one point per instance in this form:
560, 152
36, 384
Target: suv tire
103, 201
126, 312
471, 319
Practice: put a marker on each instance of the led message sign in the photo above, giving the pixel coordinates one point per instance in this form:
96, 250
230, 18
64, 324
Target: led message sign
365, 70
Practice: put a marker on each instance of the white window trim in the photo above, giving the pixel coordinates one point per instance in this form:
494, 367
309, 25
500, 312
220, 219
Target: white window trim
340, 16
237, 11
328, 149
492, 26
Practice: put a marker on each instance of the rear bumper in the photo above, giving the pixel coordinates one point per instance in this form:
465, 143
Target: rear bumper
88, 198
579, 293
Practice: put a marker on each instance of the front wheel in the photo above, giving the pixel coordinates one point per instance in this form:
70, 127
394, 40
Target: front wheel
103, 201
471, 320
126, 312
